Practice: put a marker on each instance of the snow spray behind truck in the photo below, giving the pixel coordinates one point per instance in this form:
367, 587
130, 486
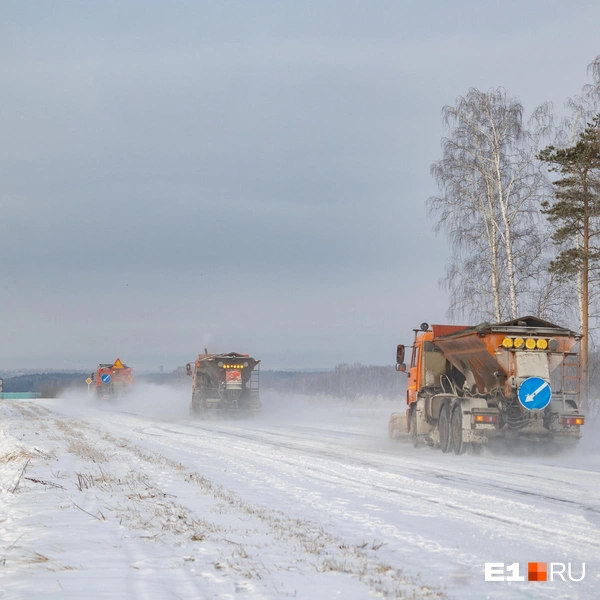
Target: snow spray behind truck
111, 379
517, 380
224, 384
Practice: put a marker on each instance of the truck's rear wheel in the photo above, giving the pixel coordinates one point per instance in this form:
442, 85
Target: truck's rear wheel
444, 429
414, 438
197, 406
458, 444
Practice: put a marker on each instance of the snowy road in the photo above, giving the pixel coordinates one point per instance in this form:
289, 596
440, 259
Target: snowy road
313, 501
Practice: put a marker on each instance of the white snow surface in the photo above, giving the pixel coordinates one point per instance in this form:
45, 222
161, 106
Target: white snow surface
135, 499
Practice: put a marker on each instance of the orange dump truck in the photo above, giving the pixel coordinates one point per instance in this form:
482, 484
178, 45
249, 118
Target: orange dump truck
111, 379
224, 383
517, 380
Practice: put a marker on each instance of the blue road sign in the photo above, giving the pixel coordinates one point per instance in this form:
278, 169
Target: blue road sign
106, 378
535, 393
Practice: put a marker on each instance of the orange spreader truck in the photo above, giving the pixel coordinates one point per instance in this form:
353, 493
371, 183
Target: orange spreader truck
513, 381
111, 379
224, 384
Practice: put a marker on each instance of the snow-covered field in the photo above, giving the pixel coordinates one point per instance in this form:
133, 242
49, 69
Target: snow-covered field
308, 500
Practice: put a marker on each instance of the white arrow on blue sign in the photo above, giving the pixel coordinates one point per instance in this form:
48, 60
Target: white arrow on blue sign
106, 378
535, 393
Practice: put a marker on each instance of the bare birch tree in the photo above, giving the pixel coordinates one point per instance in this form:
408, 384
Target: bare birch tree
582, 108
490, 183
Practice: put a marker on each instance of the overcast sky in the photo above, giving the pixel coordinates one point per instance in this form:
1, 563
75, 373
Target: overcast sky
246, 176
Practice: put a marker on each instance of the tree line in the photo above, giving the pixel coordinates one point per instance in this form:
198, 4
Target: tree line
519, 202
49, 385
347, 382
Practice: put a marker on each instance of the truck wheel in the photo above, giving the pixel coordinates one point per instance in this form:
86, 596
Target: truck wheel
201, 410
444, 429
457, 431
197, 406
414, 438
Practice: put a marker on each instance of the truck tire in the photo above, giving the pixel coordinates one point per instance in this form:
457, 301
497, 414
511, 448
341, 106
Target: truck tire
197, 408
414, 438
458, 444
444, 429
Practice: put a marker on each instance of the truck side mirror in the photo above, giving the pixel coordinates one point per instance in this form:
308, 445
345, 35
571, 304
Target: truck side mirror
188, 369
400, 354
400, 367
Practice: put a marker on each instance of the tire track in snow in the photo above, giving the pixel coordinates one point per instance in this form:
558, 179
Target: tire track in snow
394, 495
341, 468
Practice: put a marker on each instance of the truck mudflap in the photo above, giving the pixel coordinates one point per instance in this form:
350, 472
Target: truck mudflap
471, 436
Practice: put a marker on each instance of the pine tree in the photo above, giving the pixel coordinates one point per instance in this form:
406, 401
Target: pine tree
574, 214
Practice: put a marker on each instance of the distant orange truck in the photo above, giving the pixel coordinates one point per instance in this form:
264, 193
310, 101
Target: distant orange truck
111, 379
224, 384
